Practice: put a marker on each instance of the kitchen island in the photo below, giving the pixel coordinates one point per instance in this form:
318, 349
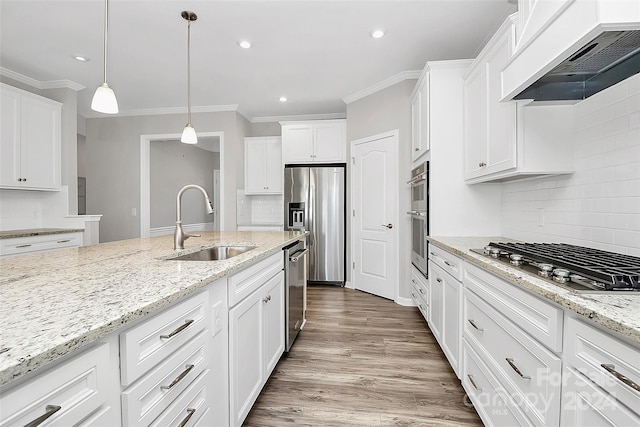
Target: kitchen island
57, 302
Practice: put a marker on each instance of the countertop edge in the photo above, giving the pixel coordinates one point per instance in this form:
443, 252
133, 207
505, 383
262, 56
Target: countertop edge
31, 363
559, 296
16, 234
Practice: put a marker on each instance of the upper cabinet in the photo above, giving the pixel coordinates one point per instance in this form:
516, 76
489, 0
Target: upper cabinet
30, 133
509, 140
318, 141
263, 165
420, 117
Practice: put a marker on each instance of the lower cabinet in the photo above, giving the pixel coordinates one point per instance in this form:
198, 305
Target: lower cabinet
444, 308
24, 245
420, 292
73, 393
256, 343
601, 378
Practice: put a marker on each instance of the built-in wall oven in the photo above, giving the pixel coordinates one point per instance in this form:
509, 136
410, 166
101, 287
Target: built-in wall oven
419, 216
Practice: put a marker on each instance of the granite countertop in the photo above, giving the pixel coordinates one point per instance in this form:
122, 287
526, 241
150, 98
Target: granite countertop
53, 303
617, 312
12, 234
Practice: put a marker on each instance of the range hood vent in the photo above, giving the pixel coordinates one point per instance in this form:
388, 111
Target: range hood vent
606, 60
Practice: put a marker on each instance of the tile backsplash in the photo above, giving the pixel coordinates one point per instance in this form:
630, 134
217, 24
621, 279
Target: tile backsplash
259, 210
599, 204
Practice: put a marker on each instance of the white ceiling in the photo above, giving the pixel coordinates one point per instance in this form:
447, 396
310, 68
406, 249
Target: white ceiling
313, 52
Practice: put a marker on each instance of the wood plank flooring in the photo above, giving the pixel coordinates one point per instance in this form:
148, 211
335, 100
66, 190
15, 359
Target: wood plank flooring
362, 360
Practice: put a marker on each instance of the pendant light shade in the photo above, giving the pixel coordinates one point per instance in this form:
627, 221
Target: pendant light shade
104, 99
189, 133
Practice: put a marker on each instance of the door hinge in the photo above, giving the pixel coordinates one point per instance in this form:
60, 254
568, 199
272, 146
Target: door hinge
353, 160
354, 265
354, 213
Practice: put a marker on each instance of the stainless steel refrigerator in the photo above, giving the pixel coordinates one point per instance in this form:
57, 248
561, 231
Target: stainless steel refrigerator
314, 200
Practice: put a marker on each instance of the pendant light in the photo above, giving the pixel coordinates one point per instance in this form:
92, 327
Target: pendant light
104, 100
189, 133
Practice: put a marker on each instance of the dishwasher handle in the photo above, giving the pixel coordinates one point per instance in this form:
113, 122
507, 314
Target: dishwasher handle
298, 255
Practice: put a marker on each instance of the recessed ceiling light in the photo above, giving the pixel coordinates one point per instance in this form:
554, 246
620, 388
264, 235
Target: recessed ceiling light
377, 33
80, 58
244, 44
283, 99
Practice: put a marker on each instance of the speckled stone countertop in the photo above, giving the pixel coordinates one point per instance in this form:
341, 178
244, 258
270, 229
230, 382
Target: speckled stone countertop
53, 303
617, 312
12, 234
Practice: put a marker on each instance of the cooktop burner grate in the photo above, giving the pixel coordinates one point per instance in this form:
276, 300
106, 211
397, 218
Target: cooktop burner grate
616, 271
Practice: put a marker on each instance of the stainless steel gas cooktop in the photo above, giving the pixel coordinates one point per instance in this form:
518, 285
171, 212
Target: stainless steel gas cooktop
577, 268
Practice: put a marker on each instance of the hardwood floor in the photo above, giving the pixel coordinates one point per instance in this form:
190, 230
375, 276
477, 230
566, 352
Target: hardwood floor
362, 360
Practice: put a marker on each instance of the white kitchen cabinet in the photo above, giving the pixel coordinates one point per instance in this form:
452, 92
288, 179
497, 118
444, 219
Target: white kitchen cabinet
509, 140
63, 396
263, 171
444, 308
420, 117
420, 292
30, 134
319, 141
602, 378
29, 244
256, 342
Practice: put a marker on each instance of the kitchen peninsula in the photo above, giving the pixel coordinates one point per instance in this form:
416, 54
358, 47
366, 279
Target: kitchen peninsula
59, 303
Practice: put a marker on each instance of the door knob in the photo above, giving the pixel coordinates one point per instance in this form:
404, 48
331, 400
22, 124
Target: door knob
388, 225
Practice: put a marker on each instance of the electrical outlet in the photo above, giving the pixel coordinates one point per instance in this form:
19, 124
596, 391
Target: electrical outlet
217, 317
540, 217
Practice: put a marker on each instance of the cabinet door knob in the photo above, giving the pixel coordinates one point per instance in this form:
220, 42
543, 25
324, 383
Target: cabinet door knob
482, 164
416, 149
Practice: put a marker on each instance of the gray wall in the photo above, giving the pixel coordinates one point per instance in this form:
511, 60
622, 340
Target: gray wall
113, 165
82, 155
174, 165
384, 111
266, 129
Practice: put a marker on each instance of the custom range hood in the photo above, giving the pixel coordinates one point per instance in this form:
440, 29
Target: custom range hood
606, 60
568, 50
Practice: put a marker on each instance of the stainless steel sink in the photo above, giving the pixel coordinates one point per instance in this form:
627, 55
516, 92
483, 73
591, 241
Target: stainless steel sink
215, 253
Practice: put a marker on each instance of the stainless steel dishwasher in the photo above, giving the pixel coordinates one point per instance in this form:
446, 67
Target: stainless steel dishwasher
295, 282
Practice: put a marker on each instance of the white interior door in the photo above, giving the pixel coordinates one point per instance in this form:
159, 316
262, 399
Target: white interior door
375, 204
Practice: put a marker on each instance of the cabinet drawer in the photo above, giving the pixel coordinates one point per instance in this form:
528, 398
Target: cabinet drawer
152, 341
520, 362
23, 245
145, 400
538, 318
587, 349
78, 387
248, 280
191, 406
420, 303
494, 405
421, 285
449, 262
586, 405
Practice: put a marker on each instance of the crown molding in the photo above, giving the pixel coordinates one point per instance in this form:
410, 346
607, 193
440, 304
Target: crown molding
162, 111
50, 84
325, 116
405, 75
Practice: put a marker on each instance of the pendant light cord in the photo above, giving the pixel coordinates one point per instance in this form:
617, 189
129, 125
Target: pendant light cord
106, 29
189, 71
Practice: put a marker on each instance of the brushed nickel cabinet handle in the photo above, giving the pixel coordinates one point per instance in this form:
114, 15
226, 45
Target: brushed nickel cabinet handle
64, 241
625, 380
414, 281
516, 369
190, 412
421, 307
51, 409
187, 323
421, 291
22, 246
448, 263
413, 295
473, 383
439, 280
473, 323
178, 378
432, 253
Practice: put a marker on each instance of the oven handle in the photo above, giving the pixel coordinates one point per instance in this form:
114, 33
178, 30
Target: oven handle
298, 255
418, 178
417, 214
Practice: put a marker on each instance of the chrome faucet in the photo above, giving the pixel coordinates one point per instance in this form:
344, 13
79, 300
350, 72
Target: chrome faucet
179, 236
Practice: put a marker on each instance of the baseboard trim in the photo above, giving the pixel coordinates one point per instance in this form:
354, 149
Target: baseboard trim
407, 302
